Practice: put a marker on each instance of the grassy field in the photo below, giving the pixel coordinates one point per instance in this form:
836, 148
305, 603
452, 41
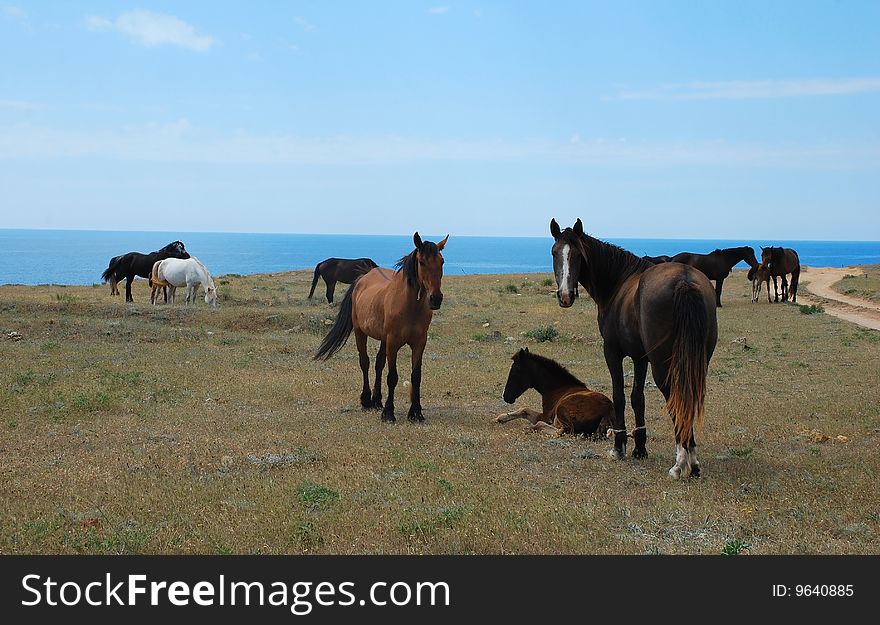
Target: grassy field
138, 429
866, 286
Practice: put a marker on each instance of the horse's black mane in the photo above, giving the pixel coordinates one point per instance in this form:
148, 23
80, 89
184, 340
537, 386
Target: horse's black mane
409, 263
554, 368
608, 264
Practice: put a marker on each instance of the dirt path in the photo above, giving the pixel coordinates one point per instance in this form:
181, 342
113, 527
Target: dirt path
818, 281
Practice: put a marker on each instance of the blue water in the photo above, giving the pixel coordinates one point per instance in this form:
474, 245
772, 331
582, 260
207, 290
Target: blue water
79, 256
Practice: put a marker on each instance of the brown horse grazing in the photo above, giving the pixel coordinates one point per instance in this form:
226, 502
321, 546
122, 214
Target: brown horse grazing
343, 270
566, 402
396, 309
759, 275
781, 261
717, 265
658, 314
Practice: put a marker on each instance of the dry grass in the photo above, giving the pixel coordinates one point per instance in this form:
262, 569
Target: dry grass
866, 286
159, 430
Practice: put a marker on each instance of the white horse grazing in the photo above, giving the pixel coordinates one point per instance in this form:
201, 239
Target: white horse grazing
190, 272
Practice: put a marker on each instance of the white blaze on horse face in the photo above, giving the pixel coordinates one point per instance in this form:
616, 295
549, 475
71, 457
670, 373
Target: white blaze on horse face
564, 290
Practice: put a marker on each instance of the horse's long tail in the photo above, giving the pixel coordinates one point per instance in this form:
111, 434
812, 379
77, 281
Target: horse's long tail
315, 279
341, 330
689, 362
110, 272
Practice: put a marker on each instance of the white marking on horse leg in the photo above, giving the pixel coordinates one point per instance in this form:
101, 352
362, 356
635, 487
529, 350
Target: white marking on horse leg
681, 467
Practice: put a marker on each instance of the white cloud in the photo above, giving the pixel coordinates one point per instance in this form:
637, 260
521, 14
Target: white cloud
153, 29
179, 141
750, 89
13, 12
305, 24
438, 10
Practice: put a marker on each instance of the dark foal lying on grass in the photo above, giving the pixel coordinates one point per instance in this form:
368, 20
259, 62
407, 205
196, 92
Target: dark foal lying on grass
567, 405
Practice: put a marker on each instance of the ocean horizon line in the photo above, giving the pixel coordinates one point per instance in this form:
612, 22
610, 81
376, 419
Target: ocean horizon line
405, 234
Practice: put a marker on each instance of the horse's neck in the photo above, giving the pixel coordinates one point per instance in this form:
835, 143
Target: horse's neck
733, 256
414, 296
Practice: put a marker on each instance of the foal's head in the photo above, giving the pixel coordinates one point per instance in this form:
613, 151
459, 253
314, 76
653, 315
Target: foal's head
518, 380
425, 265
566, 261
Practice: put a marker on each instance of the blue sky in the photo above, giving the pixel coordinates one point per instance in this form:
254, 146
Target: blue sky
646, 119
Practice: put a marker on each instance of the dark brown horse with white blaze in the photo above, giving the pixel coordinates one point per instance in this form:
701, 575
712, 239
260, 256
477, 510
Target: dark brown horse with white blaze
395, 308
659, 314
717, 265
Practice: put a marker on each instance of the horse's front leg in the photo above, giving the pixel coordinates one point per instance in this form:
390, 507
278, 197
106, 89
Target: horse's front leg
331, 289
391, 348
614, 360
637, 399
415, 407
523, 413
775, 289
718, 284
364, 359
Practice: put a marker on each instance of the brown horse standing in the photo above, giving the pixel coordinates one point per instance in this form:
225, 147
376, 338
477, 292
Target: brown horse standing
781, 261
345, 270
659, 314
396, 309
717, 265
566, 402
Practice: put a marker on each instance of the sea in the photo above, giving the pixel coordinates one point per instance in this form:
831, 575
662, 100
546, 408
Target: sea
78, 257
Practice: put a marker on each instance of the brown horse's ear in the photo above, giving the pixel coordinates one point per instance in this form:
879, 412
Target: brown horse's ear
525, 349
417, 240
578, 227
554, 229
442, 243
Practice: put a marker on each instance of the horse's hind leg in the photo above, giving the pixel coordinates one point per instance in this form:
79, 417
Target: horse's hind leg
792, 289
128, 281
784, 288
376, 401
637, 399
391, 349
364, 359
681, 468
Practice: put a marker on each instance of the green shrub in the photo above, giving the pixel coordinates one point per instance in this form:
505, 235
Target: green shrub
543, 333
810, 309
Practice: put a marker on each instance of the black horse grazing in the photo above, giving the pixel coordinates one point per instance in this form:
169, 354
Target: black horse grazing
781, 261
133, 264
656, 260
345, 270
659, 314
717, 265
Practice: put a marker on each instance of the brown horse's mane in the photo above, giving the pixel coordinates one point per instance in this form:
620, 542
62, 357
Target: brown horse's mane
608, 264
553, 368
409, 263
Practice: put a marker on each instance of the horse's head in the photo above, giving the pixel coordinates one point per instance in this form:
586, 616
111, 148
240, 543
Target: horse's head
517, 379
766, 255
429, 268
176, 250
567, 261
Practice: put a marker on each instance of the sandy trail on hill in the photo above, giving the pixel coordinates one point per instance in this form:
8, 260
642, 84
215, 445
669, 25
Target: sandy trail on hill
818, 281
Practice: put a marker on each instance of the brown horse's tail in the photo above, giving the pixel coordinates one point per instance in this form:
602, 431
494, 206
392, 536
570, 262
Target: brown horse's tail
689, 362
315, 279
341, 330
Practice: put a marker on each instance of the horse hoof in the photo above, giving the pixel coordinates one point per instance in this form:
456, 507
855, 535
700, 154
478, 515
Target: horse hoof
388, 418
617, 454
695, 470
376, 404
640, 453
675, 472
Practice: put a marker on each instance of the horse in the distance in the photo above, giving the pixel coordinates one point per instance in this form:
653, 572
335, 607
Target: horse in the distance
134, 264
782, 261
345, 270
659, 314
567, 405
395, 308
717, 265
759, 275
189, 272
